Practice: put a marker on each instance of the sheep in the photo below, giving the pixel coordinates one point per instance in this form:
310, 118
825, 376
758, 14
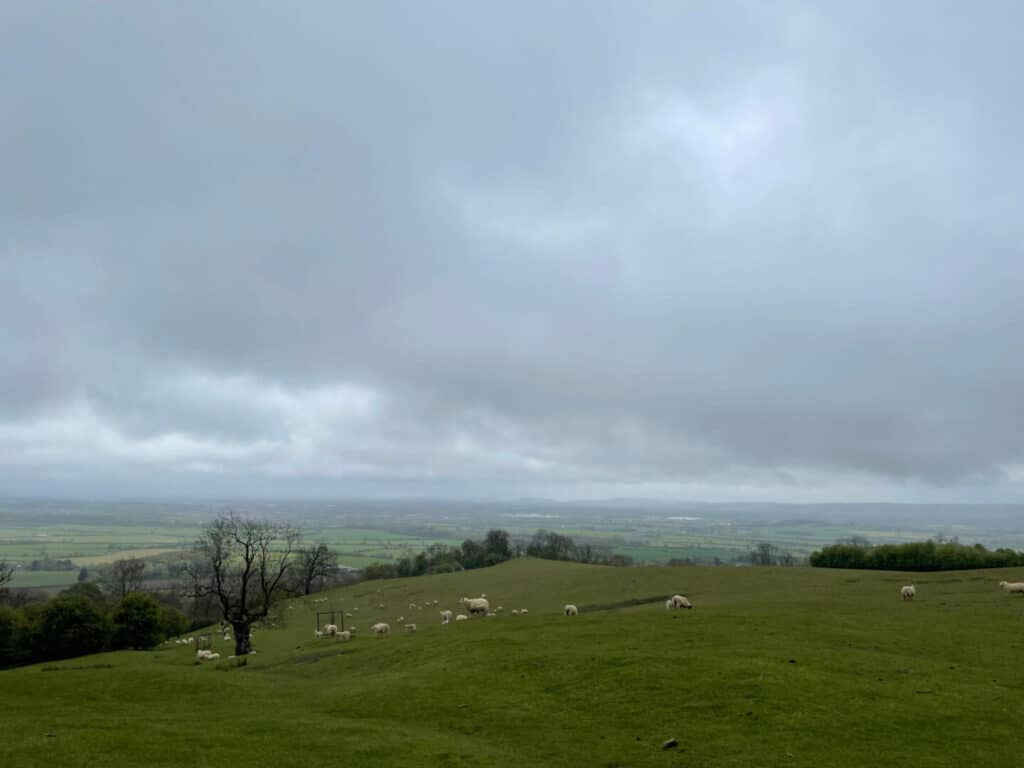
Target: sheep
523, 611
400, 619
499, 609
318, 633
462, 617
515, 612
330, 629
380, 606
346, 635
446, 617
1012, 587
477, 606
381, 629
570, 610
678, 601
908, 592
668, 604
410, 627
213, 657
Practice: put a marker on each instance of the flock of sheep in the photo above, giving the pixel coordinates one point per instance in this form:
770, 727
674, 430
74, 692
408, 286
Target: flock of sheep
480, 606
908, 591
474, 606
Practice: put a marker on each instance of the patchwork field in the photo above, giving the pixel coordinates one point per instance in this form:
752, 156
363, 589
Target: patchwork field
773, 667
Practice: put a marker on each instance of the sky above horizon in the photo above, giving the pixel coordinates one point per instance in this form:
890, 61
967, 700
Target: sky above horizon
723, 251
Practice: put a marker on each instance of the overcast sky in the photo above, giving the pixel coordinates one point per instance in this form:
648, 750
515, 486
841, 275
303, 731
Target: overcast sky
765, 251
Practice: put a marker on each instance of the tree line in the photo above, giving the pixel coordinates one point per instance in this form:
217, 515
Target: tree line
82, 619
496, 547
928, 555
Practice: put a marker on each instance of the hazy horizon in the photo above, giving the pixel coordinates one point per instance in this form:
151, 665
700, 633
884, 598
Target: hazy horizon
724, 253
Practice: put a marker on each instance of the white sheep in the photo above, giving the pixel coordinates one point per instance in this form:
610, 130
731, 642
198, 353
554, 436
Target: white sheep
499, 609
446, 617
345, 635
318, 633
381, 629
570, 609
410, 627
678, 601
1012, 587
462, 617
523, 611
330, 629
668, 604
908, 592
477, 606
515, 612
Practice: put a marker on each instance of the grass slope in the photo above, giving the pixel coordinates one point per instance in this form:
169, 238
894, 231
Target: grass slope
774, 667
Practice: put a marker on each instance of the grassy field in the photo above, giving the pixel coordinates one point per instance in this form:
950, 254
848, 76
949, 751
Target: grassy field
773, 667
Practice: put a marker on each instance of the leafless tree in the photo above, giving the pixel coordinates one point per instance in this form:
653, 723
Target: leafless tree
315, 564
6, 572
126, 575
242, 563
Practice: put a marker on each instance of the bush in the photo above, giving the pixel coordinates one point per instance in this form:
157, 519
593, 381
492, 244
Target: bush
138, 622
71, 626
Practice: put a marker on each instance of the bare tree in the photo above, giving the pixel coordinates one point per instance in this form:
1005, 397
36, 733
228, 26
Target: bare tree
126, 575
242, 563
6, 572
315, 563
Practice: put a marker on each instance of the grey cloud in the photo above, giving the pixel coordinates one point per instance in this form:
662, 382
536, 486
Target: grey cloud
734, 249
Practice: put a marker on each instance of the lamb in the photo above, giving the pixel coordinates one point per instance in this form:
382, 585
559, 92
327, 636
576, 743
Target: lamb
330, 629
318, 633
446, 617
570, 610
678, 601
1012, 587
477, 606
381, 629
668, 604
346, 635
462, 617
908, 592
515, 612
410, 627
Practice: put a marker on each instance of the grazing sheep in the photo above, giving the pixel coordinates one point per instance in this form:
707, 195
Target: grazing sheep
570, 609
381, 629
523, 611
348, 615
410, 627
213, 657
908, 592
515, 612
477, 606
446, 617
318, 633
346, 635
678, 601
330, 629
1012, 587
668, 604
462, 617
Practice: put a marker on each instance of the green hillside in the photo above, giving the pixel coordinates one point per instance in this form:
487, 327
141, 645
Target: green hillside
773, 667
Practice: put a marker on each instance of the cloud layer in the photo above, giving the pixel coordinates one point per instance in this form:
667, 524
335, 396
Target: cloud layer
726, 251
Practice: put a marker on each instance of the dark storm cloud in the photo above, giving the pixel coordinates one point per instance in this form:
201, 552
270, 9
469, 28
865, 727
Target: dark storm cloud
727, 250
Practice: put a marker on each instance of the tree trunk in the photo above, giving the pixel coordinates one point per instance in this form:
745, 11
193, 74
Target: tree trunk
242, 643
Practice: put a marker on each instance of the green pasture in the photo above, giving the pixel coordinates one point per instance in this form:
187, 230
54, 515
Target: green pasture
773, 667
